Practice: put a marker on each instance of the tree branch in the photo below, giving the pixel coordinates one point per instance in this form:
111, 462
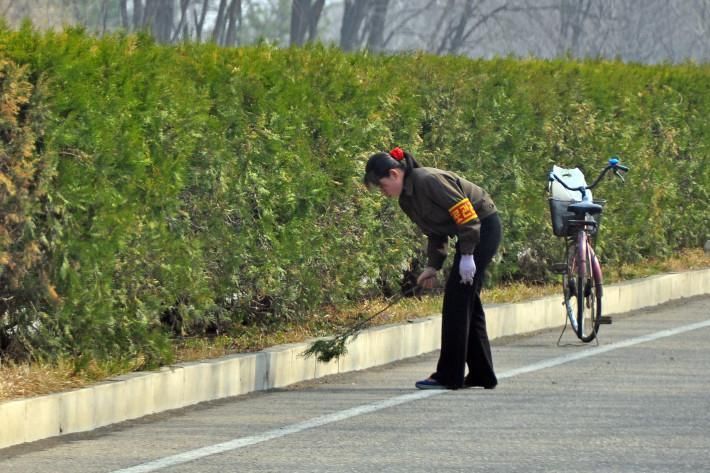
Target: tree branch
407, 19
10, 3
184, 5
483, 20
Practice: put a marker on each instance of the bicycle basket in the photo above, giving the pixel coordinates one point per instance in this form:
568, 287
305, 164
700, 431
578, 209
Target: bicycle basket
561, 217
561, 198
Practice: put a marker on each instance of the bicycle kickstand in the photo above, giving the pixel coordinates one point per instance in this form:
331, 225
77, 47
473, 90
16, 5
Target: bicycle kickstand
563, 330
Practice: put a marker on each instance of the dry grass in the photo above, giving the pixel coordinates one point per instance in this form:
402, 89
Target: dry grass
24, 380
32, 379
683, 261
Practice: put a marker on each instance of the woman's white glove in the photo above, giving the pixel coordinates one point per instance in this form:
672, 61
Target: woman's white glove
467, 269
427, 279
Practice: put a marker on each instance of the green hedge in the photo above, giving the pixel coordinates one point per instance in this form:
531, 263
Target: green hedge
207, 188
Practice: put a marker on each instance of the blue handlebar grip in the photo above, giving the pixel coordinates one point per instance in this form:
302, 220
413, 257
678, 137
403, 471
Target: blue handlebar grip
613, 161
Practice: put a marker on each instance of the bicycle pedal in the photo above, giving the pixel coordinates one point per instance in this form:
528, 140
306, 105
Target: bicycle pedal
605, 319
560, 268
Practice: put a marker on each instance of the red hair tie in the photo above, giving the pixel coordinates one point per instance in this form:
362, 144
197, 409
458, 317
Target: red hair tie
397, 153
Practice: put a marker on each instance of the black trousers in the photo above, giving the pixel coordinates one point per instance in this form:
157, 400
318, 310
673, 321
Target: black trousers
464, 339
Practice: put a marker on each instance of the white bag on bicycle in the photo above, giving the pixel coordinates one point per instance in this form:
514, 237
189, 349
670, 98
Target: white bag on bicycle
560, 198
573, 178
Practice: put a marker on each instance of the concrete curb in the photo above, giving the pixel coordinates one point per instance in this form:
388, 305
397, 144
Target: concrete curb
139, 394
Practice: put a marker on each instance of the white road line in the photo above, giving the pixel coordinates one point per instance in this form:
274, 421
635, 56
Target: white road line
238, 443
602, 349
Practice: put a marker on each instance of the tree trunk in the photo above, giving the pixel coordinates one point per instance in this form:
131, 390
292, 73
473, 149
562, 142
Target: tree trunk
573, 14
316, 10
234, 22
353, 16
124, 15
219, 22
104, 16
454, 35
137, 14
297, 22
184, 5
149, 10
376, 38
199, 24
304, 20
7, 8
162, 16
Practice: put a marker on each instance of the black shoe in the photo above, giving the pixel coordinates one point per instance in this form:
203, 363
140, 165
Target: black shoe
475, 384
429, 384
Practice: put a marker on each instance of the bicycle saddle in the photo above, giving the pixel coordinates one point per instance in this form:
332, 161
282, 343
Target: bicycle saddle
585, 208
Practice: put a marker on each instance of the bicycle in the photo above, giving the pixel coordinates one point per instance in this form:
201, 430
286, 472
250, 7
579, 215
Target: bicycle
577, 220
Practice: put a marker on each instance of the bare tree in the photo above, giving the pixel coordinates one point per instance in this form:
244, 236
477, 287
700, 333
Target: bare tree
200, 21
466, 20
376, 36
234, 22
455, 33
103, 16
123, 7
305, 15
163, 19
5, 7
157, 16
227, 23
406, 15
363, 24
353, 18
700, 29
456, 26
220, 21
573, 14
182, 27
643, 31
636, 30
137, 14
600, 29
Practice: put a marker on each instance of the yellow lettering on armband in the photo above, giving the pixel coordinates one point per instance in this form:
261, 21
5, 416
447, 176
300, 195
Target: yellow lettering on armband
463, 212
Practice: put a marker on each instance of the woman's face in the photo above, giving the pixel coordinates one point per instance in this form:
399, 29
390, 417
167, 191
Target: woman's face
391, 185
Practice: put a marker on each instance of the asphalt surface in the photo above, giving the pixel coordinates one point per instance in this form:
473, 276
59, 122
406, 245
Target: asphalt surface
639, 402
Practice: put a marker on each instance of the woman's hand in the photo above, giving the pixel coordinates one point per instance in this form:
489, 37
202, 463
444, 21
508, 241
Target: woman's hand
427, 279
467, 269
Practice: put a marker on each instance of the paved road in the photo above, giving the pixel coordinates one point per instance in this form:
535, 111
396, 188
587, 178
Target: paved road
640, 402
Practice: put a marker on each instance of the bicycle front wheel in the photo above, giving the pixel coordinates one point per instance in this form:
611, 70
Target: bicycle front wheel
589, 292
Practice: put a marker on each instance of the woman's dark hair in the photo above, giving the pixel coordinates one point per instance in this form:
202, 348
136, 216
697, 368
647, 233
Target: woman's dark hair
379, 165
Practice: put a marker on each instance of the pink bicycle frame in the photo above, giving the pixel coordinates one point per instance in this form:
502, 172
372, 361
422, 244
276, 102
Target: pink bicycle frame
584, 249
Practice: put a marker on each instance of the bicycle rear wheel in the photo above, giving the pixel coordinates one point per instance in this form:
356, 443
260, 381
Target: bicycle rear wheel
588, 287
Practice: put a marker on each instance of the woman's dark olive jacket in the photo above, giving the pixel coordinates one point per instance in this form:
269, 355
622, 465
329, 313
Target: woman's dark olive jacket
443, 204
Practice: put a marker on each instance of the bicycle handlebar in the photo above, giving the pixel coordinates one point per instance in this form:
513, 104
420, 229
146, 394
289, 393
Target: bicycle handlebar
613, 164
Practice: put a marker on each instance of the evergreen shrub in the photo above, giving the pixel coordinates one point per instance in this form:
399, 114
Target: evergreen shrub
149, 190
